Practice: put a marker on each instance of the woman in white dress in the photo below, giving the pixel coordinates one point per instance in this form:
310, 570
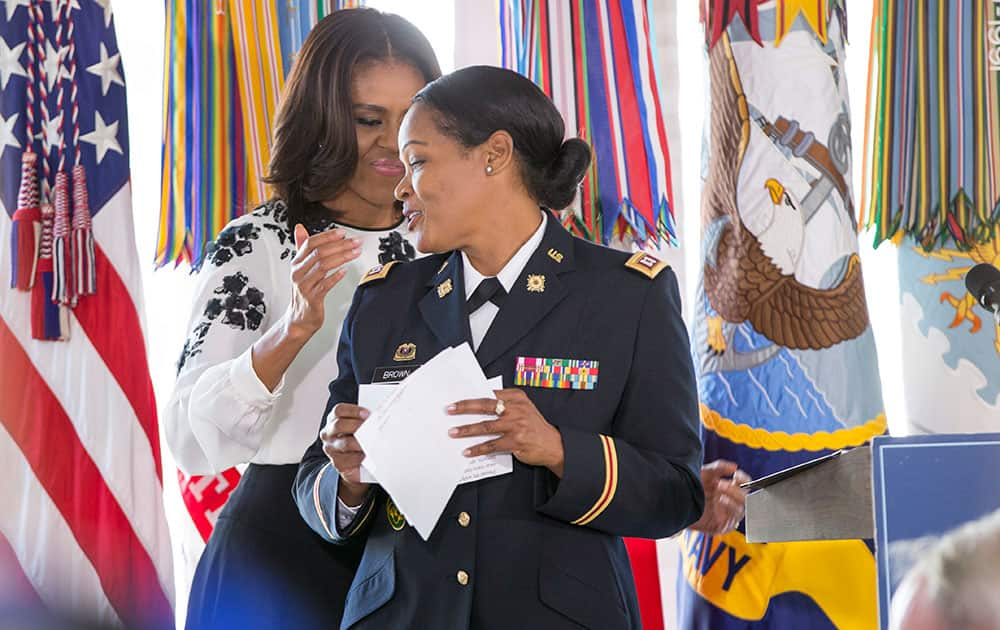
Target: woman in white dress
272, 293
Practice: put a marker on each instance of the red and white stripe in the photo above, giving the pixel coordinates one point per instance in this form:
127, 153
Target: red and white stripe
637, 187
45, 556
651, 102
79, 445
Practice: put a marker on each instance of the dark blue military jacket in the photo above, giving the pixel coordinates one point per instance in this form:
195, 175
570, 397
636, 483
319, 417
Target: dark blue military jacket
526, 549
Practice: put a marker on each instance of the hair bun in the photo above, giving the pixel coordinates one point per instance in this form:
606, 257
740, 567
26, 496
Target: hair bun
564, 174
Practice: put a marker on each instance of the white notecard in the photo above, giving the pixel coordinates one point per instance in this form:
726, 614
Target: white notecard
406, 439
372, 395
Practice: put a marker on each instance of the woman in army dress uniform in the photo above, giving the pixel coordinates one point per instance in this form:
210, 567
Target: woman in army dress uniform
606, 446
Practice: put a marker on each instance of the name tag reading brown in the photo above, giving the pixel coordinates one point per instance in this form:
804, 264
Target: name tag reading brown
393, 374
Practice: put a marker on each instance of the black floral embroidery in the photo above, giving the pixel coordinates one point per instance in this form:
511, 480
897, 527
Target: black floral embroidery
237, 240
316, 223
275, 209
192, 346
284, 237
280, 232
234, 241
235, 303
238, 305
394, 247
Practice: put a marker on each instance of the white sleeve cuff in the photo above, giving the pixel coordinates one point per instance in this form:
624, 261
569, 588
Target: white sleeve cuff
247, 384
345, 514
228, 409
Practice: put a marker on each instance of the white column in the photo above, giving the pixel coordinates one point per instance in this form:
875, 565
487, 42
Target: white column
477, 39
663, 37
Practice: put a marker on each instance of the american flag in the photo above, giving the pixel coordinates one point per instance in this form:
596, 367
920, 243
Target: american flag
82, 525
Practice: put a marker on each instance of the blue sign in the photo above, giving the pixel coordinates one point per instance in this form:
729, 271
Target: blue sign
924, 487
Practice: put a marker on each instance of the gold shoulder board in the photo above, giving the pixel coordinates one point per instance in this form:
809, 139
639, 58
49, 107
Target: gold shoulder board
378, 272
646, 264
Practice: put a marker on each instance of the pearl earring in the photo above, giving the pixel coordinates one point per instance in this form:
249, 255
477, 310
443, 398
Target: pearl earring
489, 169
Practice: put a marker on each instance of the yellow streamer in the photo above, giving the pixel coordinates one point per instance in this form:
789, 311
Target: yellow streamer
814, 12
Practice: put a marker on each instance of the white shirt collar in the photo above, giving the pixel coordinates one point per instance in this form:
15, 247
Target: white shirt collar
510, 272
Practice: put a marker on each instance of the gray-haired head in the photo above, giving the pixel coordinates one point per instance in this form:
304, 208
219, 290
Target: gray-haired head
960, 576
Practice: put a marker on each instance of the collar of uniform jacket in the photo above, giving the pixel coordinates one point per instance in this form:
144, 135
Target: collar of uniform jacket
523, 309
510, 272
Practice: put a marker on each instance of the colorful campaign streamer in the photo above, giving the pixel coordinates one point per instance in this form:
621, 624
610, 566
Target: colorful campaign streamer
593, 58
224, 68
933, 126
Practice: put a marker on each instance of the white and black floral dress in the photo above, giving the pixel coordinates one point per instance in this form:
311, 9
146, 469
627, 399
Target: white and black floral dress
263, 567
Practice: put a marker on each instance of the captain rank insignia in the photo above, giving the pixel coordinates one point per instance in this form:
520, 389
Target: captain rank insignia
646, 264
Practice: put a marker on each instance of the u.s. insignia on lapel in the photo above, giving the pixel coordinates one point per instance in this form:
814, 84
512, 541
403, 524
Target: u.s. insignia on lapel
396, 519
536, 283
555, 254
444, 288
405, 352
556, 373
